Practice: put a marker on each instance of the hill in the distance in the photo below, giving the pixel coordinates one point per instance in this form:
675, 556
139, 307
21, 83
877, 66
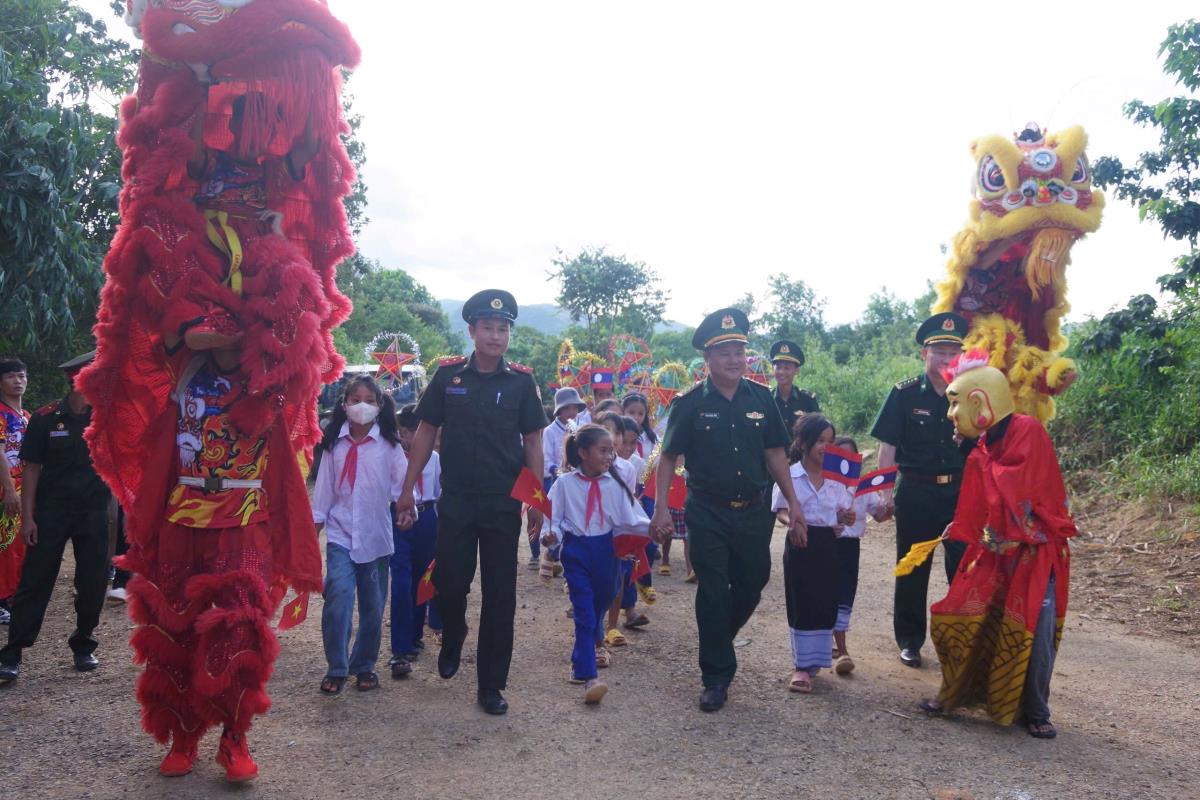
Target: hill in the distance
545, 317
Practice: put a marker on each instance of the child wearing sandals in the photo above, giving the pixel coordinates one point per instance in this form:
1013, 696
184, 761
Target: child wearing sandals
362, 473
810, 572
624, 596
847, 545
589, 505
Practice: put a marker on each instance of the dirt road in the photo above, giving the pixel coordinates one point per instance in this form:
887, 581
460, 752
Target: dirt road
1127, 708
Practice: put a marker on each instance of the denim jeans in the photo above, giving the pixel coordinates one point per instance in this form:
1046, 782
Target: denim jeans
1036, 701
343, 579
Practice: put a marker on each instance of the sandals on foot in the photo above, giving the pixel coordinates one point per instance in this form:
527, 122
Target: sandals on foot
843, 664
603, 657
931, 705
664, 569
640, 621
1040, 729
614, 638
801, 682
366, 681
332, 685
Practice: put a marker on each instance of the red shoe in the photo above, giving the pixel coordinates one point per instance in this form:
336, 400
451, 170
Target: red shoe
180, 760
234, 756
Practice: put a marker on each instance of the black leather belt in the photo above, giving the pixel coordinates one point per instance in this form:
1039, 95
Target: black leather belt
929, 477
732, 503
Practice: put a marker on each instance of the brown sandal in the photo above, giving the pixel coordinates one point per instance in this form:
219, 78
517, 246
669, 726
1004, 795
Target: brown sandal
332, 685
366, 681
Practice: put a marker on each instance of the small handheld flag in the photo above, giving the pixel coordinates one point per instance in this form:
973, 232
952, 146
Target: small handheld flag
528, 489
917, 555
631, 544
842, 466
876, 481
294, 613
425, 588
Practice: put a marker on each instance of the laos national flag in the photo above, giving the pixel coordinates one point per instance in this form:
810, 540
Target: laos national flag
842, 466
876, 481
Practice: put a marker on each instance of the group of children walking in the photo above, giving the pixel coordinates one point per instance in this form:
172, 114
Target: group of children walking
596, 465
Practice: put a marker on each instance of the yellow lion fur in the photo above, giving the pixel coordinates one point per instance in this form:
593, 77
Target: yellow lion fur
1049, 254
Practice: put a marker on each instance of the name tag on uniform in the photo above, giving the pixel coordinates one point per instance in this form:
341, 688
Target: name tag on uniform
710, 415
59, 433
922, 412
455, 390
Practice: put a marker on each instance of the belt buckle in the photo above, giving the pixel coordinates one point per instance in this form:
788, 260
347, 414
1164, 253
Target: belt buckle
738, 505
212, 484
942, 480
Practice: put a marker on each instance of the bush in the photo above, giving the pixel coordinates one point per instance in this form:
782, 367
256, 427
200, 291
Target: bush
851, 391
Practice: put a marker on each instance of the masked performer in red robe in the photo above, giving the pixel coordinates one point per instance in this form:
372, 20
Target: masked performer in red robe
998, 628
214, 336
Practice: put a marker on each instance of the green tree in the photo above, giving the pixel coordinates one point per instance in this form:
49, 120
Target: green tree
608, 294
61, 76
391, 300
539, 352
796, 312
673, 346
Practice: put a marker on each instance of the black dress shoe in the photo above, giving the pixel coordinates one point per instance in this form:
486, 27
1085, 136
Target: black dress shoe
491, 701
9, 673
401, 668
448, 657
713, 697
910, 657
86, 662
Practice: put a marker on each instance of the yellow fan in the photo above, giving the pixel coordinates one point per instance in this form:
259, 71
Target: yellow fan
917, 555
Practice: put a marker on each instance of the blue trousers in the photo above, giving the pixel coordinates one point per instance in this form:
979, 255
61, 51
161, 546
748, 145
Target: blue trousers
414, 551
591, 572
343, 579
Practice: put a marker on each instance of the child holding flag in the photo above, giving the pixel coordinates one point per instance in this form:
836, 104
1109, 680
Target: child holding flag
592, 510
865, 499
810, 572
362, 471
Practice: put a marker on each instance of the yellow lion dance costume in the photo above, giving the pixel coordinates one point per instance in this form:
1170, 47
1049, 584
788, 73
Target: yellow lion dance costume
1007, 268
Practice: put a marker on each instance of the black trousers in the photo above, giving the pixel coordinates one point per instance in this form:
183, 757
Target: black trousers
87, 530
922, 512
481, 529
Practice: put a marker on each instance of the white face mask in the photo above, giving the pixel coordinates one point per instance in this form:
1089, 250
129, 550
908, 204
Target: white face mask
362, 413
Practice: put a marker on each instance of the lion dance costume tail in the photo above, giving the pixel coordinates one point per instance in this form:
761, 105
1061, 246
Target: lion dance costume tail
222, 234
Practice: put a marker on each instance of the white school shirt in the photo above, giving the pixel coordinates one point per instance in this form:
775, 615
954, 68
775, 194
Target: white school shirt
627, 471
552, 445
639, 469
430, 488
820, 506
867, 504
360, 520
568, 506
644, 446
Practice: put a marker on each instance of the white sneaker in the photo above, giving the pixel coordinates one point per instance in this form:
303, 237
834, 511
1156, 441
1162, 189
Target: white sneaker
116, 595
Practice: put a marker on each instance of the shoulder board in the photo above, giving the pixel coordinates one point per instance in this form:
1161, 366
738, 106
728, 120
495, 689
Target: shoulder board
520, 368
48, 409
451, 361
908, 382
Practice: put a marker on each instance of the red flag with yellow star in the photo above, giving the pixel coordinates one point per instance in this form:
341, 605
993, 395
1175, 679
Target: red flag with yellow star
528, 489
294, 612
425, 588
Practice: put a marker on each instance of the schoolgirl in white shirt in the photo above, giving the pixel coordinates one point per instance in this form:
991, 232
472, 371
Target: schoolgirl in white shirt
589, 506
810, 573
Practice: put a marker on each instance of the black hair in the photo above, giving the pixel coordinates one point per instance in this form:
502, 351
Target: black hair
647, 428
846, 441
407, 417
629, 425
605, 417
11, 364
386, 418
606, 404
585, 438
805, 433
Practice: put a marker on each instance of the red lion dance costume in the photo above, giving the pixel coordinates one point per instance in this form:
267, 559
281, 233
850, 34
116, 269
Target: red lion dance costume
214, 335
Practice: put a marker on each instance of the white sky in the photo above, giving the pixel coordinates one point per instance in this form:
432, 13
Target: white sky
722, 142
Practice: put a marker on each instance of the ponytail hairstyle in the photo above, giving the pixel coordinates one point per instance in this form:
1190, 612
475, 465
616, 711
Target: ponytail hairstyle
406, 417
805, 433
386, 419
647, 425
586, 438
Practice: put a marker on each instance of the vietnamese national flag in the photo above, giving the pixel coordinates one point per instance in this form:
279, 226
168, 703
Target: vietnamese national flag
633, 544
528, 489
676, 495
294, 613
842, 466
876, 481
425, 588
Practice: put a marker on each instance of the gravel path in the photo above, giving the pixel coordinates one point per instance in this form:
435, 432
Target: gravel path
1126, 707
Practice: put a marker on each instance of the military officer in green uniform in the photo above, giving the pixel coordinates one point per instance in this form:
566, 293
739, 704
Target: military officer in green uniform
734, 441
490, 414
786, 359
915, 434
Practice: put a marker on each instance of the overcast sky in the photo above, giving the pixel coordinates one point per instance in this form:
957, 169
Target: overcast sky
723, 142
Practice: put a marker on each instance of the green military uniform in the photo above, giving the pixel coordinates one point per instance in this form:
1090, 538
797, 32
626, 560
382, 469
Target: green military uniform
913, 420
798, 402
728, 512
483, 417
